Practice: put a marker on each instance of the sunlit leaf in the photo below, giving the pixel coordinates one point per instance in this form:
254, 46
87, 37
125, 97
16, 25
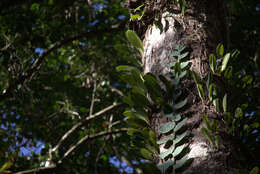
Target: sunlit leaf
134, 39
225, 62
166, 127
180, 125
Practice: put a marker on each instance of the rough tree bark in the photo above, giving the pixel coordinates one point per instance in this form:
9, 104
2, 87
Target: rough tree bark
201, 29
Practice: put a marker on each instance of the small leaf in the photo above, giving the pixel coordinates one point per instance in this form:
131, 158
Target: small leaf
174, 116
179, 138
206, 121
216, 104
212, 62
220, 50
166, 127
132, 131
146, 154
135, 40
165, 139
255, 170
178, 150
196, 77
184, 64
183, 55
225, 62
225, 103
206, 134
228, 72
136, 123
180, 125
125, 68
166, 153
180, 104
201, 92
164, 166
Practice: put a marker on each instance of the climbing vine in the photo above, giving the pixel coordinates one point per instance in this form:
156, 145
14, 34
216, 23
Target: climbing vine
147, 97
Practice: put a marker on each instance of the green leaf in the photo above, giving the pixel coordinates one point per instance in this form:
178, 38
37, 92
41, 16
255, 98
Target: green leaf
225, 62
216, 104
180, 104
228, 72
134, 39
165, 139
166, 153
127, 99
212, 87
225, 103
152, 137
196, 77
180, 125
166, 127
201, 92
133, 131
212, 62
206, 134
183, 55
178, 150
125, 68
206, 121
139, 100
164, 166
152, 86
179, 138
6, 165
174, 116
255, 170
227, 118
220, 50
184, 64
238, 112
209, 79
136, 123
146, 154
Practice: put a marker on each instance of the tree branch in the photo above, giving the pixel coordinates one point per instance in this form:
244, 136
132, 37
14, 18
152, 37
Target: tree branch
36, 170
28, 73
79, 124
89, 137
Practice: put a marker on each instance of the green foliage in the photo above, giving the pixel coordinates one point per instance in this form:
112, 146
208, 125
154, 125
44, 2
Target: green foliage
135, 40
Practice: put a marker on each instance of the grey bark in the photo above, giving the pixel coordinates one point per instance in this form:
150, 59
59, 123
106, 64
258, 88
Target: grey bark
201, 28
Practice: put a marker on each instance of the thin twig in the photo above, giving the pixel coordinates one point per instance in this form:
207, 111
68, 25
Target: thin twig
89, 137
93, 98
81, 123
36, 170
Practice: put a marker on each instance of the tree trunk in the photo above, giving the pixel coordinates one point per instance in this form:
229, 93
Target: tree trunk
201, 29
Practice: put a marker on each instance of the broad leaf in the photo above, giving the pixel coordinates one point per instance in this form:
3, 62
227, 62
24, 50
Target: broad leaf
178, 150
135, 40
180, 125
220, 50
166, 139
180, 104
166, 153
146, 154
225, 62
166, 127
